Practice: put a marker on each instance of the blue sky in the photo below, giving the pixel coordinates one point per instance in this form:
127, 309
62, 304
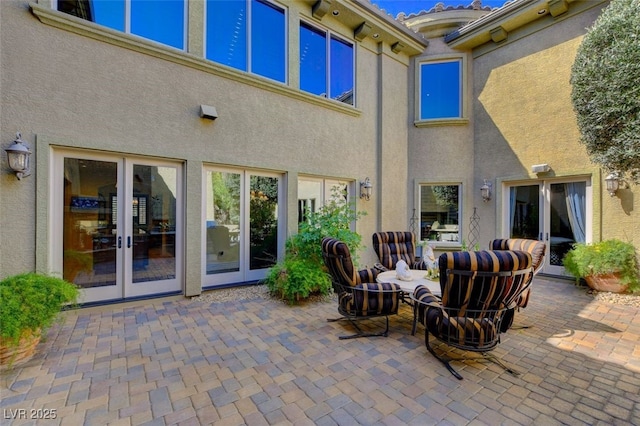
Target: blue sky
393, 7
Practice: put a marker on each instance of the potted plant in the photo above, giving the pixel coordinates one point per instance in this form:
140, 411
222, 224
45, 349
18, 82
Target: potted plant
609, 265
30, 304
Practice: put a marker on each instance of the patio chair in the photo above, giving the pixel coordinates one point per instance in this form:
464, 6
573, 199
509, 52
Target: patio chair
359, 295
537, 250
478, 288
392, 247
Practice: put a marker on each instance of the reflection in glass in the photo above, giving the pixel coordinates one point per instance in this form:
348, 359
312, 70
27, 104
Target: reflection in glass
223, 222
567, 218
440, 90
313, 60
268, 44
439, 212
154, 223
89, 223
341, 71
263, 222
525, 211
158, 20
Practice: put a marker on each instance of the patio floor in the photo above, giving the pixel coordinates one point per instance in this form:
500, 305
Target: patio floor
259, 362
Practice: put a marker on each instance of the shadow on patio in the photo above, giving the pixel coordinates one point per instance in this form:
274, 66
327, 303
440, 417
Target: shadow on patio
260, 361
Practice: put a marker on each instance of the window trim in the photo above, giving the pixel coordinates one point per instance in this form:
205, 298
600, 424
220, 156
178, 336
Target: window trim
329, 36
463, 119
66, 22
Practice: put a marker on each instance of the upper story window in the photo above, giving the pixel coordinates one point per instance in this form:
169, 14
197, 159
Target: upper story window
440, 213
249, 35
163, 21
326, 64
440, 90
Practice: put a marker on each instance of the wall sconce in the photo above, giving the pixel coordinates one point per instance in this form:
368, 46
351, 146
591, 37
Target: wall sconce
365, 189
613, 182
485, 191
18, 157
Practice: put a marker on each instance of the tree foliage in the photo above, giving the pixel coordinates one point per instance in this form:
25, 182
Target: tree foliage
605, 80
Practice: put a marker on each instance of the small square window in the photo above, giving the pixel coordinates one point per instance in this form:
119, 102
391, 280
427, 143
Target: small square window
440, 90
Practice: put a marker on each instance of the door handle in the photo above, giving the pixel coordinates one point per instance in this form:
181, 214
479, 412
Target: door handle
119, 242
128, 242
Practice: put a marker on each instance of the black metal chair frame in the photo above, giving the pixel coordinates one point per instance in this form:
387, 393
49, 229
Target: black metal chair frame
476, 322
358, 313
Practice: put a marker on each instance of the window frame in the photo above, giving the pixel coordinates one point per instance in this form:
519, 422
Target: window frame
326, 184
128, 21
248, 53
463, 102
330, 36
440, 243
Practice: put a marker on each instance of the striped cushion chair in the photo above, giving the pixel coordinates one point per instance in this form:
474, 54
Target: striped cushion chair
359, 295
478, 288
392, 247
537, 250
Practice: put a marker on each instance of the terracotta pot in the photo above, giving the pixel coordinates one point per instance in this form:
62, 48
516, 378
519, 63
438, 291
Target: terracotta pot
11, 355
608, 282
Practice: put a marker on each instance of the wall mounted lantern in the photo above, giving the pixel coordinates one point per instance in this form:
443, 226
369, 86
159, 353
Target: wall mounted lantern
365, 189
485, 191
613, 182
18, 157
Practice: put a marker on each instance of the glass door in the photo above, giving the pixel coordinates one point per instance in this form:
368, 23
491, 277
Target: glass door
116, 221
557, 212
242, 225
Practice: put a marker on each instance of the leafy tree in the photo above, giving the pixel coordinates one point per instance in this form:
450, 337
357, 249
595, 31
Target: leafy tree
605, 80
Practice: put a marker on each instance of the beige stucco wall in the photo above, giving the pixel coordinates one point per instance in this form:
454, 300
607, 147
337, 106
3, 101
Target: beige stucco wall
61, 89
524, 116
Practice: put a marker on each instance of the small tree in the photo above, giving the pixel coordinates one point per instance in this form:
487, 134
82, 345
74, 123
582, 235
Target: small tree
605, 82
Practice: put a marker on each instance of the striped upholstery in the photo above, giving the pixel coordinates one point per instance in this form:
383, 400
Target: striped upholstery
359, 294
477, 288
370, 299
392, 247
535, 248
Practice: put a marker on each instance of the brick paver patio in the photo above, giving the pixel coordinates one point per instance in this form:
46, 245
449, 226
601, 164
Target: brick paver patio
261, 362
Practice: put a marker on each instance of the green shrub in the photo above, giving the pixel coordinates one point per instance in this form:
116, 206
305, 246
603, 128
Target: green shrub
296, 278
605, 257
31, 301
302, 272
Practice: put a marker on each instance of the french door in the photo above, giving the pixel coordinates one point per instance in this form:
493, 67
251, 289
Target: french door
557, 212
243, 224
117, 225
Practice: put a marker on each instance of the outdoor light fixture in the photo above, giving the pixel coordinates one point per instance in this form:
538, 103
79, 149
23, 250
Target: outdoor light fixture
485, 191
365, 189
613, 183
18, 157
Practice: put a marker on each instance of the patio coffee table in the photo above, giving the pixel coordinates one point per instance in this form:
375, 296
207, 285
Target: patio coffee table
407, 287
418, 278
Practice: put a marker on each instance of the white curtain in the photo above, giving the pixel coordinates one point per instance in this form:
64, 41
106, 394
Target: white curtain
576, 208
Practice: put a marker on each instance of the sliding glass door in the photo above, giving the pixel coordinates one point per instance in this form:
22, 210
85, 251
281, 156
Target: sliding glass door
243, 225
557, 212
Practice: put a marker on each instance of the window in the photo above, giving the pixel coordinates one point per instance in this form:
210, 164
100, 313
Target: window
314, 192
440, 213
249, 35
326, 64
158, 20
440, 88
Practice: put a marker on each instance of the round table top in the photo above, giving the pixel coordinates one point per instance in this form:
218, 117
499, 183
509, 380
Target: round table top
418, 278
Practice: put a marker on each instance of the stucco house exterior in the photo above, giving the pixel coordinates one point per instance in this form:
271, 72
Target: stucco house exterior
174, 163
